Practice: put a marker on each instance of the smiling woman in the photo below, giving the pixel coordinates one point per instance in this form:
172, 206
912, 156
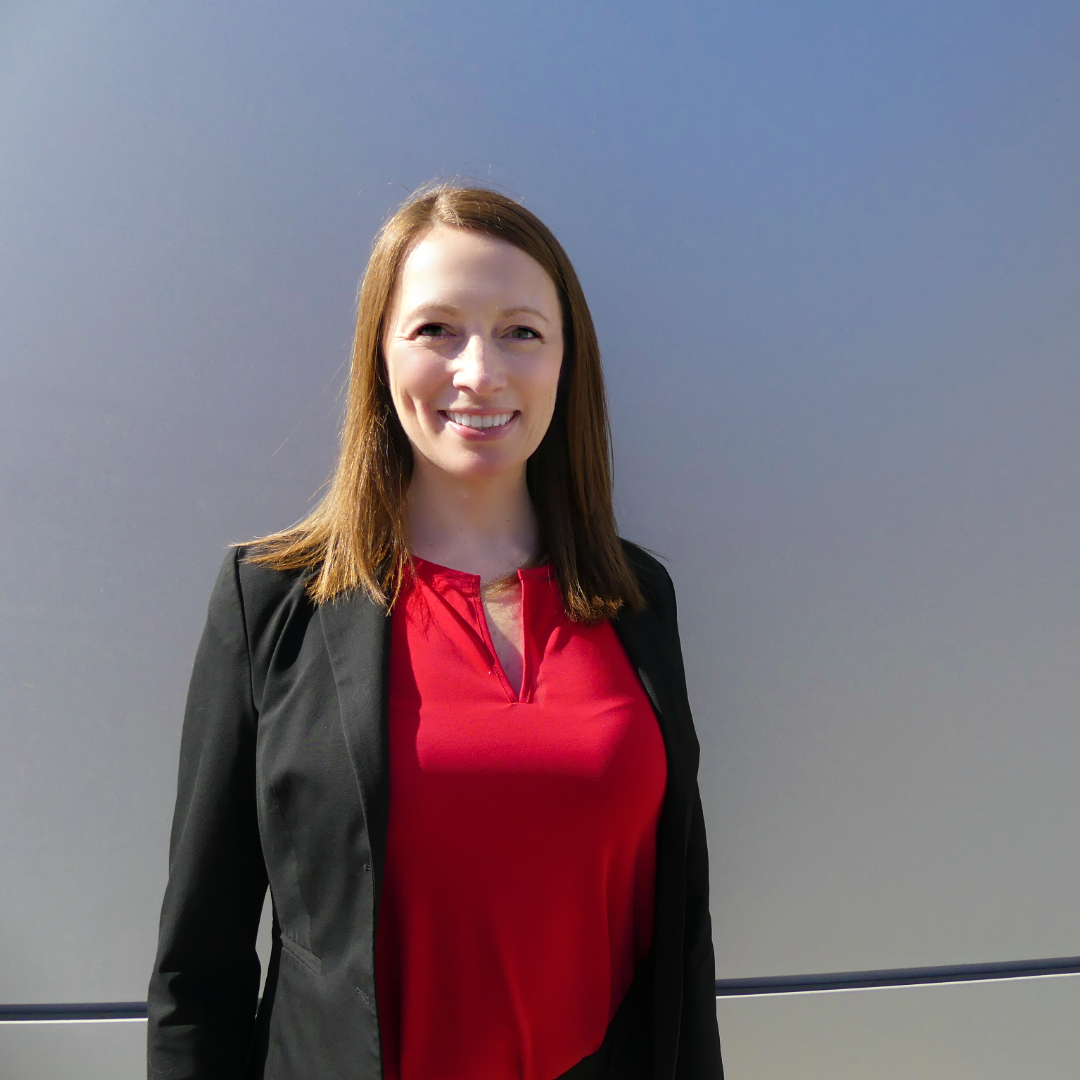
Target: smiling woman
478, 817
474, 388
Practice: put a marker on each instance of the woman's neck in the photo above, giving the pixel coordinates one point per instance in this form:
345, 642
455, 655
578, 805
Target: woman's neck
486, 527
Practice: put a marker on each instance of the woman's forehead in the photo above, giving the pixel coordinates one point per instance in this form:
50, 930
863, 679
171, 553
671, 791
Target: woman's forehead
451, 267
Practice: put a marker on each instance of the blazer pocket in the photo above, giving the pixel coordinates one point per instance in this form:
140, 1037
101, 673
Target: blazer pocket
299, 953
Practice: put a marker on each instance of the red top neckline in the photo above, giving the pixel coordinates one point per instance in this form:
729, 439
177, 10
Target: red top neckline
443, 578
430, 572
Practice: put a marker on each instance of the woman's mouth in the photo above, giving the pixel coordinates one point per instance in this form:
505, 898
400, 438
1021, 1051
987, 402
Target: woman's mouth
480, 423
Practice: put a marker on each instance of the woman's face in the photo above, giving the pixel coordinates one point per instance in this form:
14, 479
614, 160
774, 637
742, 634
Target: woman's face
473, 348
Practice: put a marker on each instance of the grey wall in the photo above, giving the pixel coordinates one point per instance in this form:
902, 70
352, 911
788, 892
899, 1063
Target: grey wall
832, 252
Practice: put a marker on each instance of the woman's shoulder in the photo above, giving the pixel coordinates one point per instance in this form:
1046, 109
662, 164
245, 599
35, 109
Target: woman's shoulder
651, 573
252, 589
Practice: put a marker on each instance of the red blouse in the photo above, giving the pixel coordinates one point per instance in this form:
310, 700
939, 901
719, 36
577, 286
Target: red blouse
521, 855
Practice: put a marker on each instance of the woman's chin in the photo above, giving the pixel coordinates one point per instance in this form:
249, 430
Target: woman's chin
477, 465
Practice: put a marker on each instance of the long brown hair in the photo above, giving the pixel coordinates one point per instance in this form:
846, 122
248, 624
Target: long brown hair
356, 537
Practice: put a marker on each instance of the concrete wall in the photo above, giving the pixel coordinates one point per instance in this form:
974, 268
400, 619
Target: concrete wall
832, 254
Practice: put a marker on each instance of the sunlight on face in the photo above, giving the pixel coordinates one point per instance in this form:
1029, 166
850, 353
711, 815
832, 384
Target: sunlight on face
473, 348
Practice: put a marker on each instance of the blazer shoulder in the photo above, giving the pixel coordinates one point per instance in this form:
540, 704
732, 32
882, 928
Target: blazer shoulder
652, 575
262, 586
254, 596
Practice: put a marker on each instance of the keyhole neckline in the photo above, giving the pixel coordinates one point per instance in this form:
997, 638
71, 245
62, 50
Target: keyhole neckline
472, 581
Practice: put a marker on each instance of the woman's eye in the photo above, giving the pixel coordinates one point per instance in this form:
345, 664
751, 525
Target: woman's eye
524, 333
431, 329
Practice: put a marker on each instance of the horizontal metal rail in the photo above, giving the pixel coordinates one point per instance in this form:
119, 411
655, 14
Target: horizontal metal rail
778, 984
82, 1010
920, 976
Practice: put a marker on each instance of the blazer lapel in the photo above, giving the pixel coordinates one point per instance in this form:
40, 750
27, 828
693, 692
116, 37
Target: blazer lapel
643, 638
357, 633
640, 637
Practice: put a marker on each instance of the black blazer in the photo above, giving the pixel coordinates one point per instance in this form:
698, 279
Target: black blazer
284, 780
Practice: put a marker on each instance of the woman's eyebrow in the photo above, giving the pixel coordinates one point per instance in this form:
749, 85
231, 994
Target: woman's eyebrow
440, 307
436, 307
507, 312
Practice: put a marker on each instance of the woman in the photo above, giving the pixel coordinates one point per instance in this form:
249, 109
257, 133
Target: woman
444, 717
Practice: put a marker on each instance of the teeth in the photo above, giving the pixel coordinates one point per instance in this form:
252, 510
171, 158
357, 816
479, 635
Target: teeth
474, 421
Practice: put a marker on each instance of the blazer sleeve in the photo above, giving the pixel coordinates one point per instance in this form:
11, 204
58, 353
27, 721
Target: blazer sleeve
699, 1037
204, 988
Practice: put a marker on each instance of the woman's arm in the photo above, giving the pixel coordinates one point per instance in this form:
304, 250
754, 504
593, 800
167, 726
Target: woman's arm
205, 985
699, 1037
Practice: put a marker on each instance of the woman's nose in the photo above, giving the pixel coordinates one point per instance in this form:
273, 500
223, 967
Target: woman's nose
479, 367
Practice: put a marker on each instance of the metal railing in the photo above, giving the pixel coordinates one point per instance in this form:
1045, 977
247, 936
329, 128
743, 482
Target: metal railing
920, 976
756, 987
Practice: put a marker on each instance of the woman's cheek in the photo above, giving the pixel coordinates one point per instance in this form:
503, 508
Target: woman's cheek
420, 379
